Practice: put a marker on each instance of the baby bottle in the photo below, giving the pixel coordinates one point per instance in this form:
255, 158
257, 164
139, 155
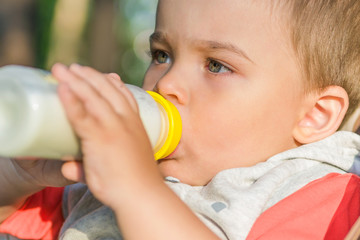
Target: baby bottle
33, 122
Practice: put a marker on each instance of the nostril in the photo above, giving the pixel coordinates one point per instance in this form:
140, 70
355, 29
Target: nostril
172, 86
156, 89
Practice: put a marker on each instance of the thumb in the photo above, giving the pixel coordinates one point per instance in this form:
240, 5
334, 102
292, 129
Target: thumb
74, 171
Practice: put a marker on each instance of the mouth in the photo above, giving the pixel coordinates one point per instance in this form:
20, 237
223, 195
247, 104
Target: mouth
171, 156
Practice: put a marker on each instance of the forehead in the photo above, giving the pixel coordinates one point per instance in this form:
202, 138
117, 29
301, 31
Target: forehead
218, 9
223, 17
249, 24
207, 10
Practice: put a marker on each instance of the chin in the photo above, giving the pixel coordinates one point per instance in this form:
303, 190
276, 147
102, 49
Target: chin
167, 167
175, 168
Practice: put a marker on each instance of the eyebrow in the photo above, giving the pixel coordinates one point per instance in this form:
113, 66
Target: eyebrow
225, 46
159, 37
213, 45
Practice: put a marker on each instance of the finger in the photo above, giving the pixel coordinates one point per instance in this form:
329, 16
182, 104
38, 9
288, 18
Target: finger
73, 106
93, 103
115, 76
42, 172
75, 110
125, 91
110, 87
73, 171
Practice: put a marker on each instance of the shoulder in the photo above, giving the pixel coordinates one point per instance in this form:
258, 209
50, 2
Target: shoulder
328, 206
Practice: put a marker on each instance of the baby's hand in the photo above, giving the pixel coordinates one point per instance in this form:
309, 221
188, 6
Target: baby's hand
104, 114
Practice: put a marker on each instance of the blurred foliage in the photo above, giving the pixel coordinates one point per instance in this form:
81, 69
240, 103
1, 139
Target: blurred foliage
44, 18
109, 35
136, 18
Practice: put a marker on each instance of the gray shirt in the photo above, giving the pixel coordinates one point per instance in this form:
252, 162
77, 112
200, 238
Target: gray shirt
234, 199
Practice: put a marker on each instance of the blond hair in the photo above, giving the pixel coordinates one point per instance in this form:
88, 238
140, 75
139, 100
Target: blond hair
326, 37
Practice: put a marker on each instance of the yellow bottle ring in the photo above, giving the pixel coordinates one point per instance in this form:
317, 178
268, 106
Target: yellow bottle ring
175, 126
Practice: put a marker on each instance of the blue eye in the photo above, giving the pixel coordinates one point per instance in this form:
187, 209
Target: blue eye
160, 57
216, 67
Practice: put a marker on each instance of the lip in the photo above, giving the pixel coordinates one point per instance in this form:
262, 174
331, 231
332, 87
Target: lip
171, 154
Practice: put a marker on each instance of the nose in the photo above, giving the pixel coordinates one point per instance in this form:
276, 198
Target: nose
173, 86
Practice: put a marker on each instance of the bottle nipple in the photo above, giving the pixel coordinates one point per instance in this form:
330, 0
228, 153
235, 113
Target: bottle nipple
171, 127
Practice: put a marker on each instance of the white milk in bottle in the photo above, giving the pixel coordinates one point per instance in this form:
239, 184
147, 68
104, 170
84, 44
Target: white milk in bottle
33, 122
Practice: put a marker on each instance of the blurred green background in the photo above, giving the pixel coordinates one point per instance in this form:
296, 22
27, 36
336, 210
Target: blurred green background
109, 35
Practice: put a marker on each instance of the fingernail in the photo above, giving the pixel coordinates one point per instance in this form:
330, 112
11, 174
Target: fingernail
75, 66
59, 65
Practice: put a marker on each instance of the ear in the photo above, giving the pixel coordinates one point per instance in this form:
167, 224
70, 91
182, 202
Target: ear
323, 117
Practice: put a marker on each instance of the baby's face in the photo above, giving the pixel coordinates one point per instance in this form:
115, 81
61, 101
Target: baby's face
229, 68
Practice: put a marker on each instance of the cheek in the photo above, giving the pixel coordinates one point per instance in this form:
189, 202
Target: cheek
234, 131
219, 128
274, 123
150, 80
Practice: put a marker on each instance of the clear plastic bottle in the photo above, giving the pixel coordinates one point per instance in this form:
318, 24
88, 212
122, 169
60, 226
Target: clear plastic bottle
33, 122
